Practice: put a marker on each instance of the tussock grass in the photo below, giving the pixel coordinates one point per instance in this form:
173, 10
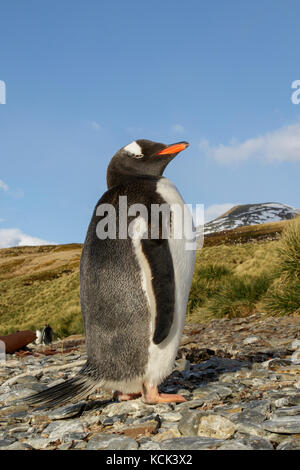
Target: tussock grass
205, 283
238, 296
283, 297
239, 279
289, 251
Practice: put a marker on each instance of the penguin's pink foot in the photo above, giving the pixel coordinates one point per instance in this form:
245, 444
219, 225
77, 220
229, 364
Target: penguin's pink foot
126, 396
170, 398
151, 396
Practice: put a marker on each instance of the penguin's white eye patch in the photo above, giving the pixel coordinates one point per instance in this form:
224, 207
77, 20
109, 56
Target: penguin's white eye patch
134, 149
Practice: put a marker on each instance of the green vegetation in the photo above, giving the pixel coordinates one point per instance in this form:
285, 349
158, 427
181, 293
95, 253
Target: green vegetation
239, 279
283, 297
232, 278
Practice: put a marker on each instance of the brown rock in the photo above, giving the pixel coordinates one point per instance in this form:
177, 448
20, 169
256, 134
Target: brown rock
150, 427
215, 426
168, 434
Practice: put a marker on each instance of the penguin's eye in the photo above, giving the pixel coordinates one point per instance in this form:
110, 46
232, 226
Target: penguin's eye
138, 156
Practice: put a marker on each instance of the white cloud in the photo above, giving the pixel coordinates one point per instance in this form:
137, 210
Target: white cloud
95, 126
15, 193
3, 186
178, 129
280, 145
15, 237
215, 210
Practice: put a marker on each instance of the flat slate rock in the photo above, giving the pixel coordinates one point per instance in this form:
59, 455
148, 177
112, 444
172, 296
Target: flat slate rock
284, 425
287, 411
234, 445
191, 443
111, 442
57, 429
289, 444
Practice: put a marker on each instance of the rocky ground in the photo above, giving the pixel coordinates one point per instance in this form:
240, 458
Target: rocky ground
241, 379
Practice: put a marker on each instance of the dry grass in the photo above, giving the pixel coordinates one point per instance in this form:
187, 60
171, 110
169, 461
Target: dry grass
230, 280
40, 285
283, 297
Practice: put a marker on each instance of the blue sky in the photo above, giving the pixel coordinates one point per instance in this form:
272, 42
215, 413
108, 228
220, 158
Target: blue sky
84, 78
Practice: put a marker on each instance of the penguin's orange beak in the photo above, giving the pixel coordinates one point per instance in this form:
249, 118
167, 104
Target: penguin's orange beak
175, 148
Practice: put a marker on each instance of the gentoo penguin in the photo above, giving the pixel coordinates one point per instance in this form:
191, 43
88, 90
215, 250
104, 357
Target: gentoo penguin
47, 334
133, 286
38, 334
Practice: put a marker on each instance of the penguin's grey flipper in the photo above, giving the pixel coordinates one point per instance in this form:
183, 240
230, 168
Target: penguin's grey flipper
76, 388
158, 255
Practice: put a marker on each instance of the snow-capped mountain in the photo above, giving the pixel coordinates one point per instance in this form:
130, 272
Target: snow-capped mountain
251, 214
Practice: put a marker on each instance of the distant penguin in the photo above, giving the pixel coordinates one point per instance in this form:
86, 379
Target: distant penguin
47, 334
38, 334
134, 289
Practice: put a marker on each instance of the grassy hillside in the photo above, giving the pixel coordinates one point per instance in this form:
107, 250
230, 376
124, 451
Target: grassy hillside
39, 285
232, 277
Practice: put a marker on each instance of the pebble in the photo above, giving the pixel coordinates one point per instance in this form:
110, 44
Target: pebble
215, 426
188, 425
287, 411
38, 442
191, 443
163, 435
172, 416
281, 402
295, 358
283, 424
148, 427
251, 339
57, 429
295, 345
257, 443
289, 444
4, 443
246, 427
80, 445
111, 442
17, 446
249, 415
73, 436
234, 445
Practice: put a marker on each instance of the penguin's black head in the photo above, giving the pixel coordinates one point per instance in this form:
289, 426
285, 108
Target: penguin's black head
141, 158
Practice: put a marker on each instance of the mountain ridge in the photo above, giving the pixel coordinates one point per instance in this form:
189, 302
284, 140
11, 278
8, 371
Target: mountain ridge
251, 214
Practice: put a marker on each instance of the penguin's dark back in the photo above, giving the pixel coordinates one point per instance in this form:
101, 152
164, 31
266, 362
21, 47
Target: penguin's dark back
114, 306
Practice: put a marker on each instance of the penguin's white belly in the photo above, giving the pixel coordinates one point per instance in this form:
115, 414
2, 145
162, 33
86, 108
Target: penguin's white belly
162, 356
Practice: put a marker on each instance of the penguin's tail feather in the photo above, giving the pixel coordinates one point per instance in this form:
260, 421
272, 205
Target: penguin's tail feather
75, 388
